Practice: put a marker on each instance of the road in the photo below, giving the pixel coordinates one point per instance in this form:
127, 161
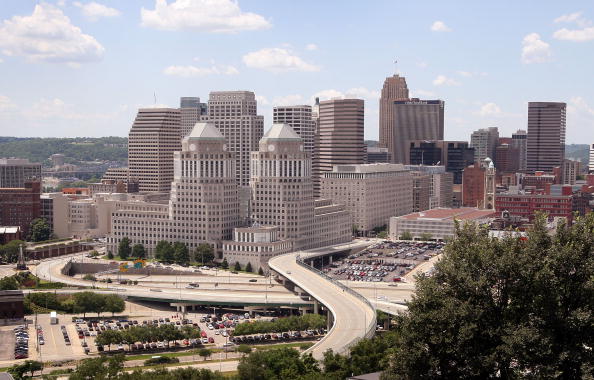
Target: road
354, 318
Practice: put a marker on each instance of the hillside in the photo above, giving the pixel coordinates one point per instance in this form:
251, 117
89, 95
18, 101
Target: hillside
76, 149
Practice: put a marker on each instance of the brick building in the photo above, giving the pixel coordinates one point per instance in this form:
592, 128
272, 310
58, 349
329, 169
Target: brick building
19, 206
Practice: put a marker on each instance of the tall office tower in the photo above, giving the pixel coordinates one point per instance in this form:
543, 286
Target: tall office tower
300, 119
570, 169
441, 192
394, 89
377, 155
454, 155
591, 162
421, 191
519, 142
153, 138
234, 114
282, 187
190, 110
507, 158
340, 135
478, 187
546, 135
203, 204
484, 141
14, 172
315, 159
415, 119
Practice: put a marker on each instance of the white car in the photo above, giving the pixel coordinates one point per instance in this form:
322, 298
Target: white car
160, 345
224, 333
210, 327
204, 340
216, 332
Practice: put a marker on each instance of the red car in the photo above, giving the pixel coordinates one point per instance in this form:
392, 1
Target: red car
203, 334
211, 340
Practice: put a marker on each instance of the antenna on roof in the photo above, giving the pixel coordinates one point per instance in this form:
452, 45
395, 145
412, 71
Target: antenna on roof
155, 96
396, 67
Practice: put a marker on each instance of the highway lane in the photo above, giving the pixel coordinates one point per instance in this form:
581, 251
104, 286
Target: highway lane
354, 318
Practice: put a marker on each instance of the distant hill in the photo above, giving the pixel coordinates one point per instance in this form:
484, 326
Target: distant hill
76, 150
578, 152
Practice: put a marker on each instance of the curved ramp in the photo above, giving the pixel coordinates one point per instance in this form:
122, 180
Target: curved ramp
354, 316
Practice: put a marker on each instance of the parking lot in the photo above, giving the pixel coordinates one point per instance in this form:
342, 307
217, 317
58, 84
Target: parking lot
384, 262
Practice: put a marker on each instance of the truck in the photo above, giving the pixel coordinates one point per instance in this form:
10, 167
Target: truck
53, 318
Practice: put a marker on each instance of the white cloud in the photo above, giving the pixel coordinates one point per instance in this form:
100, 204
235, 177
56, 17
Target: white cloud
194, 71
422, 93
579, 104
262, 100
440, 26
471, 74
464, 73
442, 80
489, 109
214, 16
94, 11
49, 36
277, 60
311, 47
362, 92
535, 50
571, 17
575, 35
328, 94
6, 103
289, 100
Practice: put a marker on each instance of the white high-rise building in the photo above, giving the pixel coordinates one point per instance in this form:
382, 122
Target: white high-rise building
234, 114
300, 119
191, 110
484, 141
591, 162
203, 206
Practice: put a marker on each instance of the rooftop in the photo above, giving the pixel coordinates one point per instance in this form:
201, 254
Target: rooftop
205, 131
368, 168
281, 131
464, 213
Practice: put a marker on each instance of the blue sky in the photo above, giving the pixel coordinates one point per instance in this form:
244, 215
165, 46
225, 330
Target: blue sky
70, 68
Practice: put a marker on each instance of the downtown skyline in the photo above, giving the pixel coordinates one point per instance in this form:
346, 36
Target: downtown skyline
109, 58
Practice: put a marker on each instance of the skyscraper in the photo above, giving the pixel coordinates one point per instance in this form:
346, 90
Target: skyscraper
340, 135
234, 114
591, 162
154, 136
546, 135
394, 89
519, 142
282, 188
14, 172
190, 112
484, 141
415, 119
300, 119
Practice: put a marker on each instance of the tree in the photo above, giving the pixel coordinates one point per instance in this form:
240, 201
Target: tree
205, 353
243, 349
406, 236
503, 308
138, 251
39, 230
9, 252
237, 266
248, 267
124, 248
181, 253
9, 283
110, 255
260, 271
225, 264
89, 302
164, 251
425, 236
102, 368
114, 304
382, 235
281, 363
205, 253
19, 370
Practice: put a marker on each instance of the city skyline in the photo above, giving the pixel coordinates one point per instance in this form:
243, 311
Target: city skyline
111, 58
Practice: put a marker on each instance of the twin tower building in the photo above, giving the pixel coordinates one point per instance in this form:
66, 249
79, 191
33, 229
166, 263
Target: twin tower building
204, 204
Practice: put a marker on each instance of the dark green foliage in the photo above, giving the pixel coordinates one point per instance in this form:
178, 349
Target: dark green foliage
9, 252
18, 371
225, 264
114, 304
102, 368
204, 253
161, 360
248, 267
205, 353
504, 308
75, 149
237, 266
282, 363
406, 236
164, 252
124, 249
181, 253
260, 271
138, 251
9, 283
110, 255
39, 230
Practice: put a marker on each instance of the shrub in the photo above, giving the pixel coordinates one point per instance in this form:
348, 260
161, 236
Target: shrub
161, 360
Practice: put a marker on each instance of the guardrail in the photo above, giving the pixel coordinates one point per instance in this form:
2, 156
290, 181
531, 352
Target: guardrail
372, 324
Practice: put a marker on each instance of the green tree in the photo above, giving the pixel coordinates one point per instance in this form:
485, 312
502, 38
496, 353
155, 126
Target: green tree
282, 363
9, 283
138, 251
237, 266
425, 236
507, 308
89, 302
205, 353
114, 304
164, 251
39, 230
18, 370
9, 252
205, 253
248, 267
243, 349
181, 253
260, 271
225, 264
406, 236
110, 255
124, 248
102, 368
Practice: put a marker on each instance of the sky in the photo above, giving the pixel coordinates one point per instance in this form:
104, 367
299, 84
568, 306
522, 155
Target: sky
83, 68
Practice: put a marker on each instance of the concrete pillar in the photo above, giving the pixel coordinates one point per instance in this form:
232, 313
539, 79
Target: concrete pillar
330, 320
330, 260
316, 307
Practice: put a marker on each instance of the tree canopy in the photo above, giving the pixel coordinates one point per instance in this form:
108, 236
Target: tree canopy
138, 251
164, 252
124, 249
507, 308
39, 230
